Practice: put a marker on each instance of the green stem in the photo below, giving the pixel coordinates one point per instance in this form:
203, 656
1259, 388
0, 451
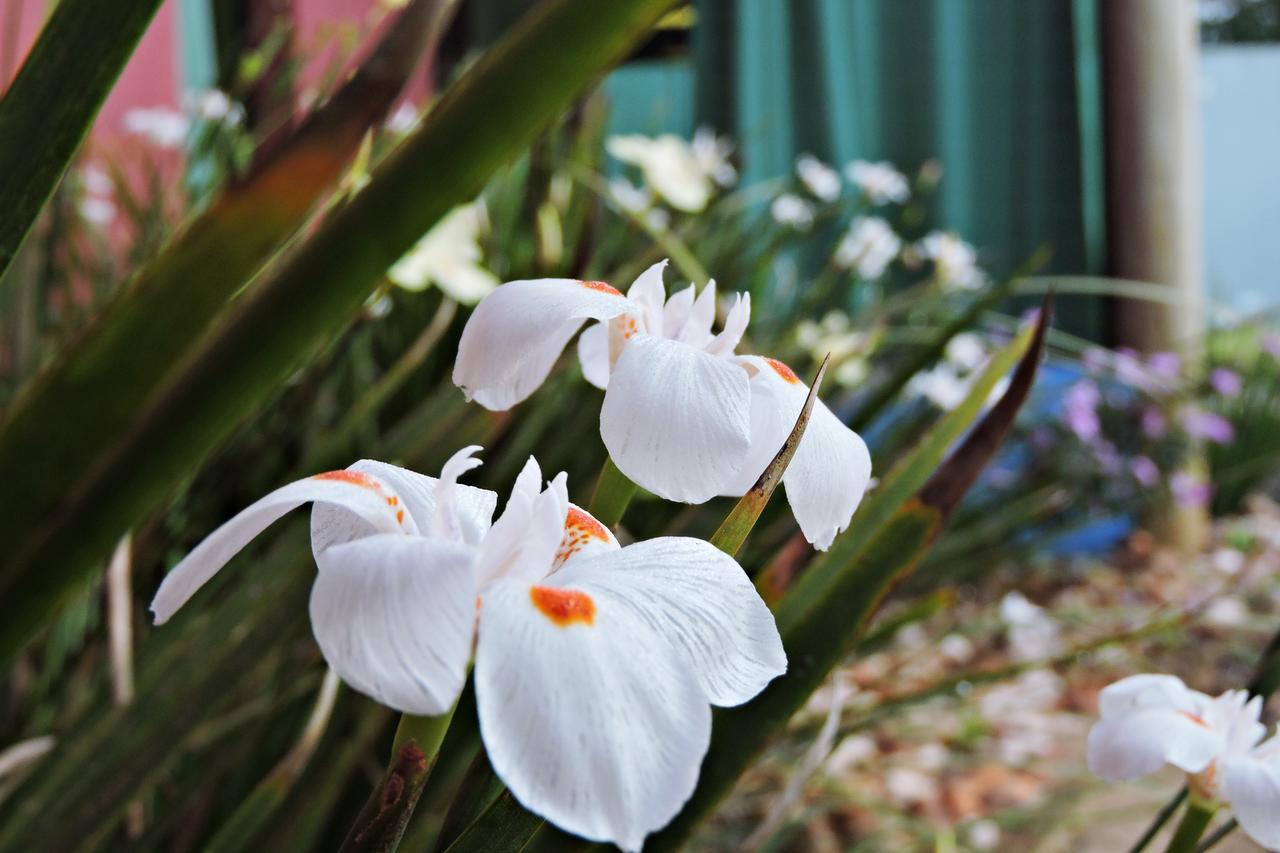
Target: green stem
612, 495
381, 823
1195, 820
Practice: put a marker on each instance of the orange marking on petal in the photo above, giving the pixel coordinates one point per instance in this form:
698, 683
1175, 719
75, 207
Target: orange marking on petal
393, 500
579, 529
1199, 721
400, 516
782, 370
355, 478
601, 286
564, 607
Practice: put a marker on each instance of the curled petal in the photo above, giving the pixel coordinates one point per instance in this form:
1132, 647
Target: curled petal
701, 601
1134, 744
393, 616
588, 716
676, 312
1252, 788
516, 333
357, 494
675, 420
473, 508
830, 471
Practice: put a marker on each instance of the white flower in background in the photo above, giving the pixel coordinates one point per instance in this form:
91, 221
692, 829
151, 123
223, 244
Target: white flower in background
96, 181
403, 119
163, 127
449, 256
97, 205
99, 211
967, 351
683, 415
628, 196
868, 248
819, 178
955, 261
880, 182
683, 174
213, 105
595, 665
1032, 632
941, 385
791, 211
1147, 721
712, 153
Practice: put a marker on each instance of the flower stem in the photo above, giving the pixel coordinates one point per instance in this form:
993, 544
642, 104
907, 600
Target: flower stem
612, 495
1195, 820
381, 823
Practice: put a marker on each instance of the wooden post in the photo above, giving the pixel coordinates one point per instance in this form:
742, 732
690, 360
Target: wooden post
1153, 168
1150, 50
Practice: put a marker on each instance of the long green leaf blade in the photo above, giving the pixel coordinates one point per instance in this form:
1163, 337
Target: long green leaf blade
51, 104
75, 412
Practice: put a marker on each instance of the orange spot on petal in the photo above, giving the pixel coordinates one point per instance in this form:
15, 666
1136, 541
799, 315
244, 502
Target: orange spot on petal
564, 607
355, 478
601, 286
782, 370
400, 516
579, 529
1198, 720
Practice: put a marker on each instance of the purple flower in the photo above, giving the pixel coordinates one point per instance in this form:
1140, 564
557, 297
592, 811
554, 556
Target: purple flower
1080, 410
1108, 457
1271, 344
1146, 472
1189, 490
1226, 382
1131, 371
1166, 364
1209, 426
1154, 424
1096, 359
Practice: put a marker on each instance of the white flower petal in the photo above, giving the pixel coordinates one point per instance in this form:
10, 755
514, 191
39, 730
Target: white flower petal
393, 616
699, 598
830, 471
735, 326
648, 296
466, 283
584, 537
590, 718
593, 354
358, 494
516, 333
525, 539
1142, 741
1252, 788
675, 419
697, 329
676, 312
1148, 690
332, 523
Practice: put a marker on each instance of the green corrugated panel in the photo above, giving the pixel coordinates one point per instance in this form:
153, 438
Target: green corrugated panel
1004, 92
196, 44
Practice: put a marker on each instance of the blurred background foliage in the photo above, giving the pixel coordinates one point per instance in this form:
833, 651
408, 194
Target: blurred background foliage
120, 735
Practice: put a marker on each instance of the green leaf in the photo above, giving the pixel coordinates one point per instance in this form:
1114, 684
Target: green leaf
77, 413
742, 518
77, 794
485, 119
838, 609
51, 104
903, 480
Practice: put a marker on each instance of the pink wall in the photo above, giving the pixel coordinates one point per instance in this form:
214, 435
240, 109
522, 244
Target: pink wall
149, 80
